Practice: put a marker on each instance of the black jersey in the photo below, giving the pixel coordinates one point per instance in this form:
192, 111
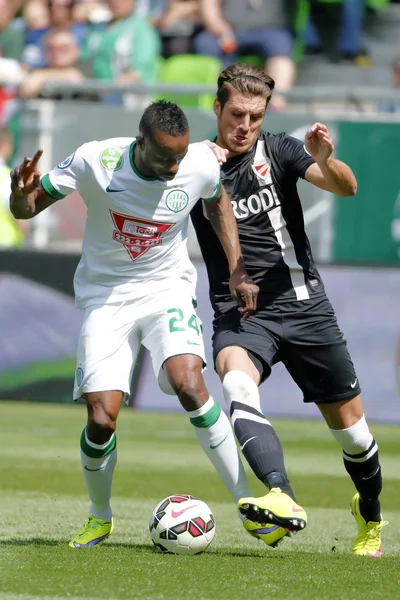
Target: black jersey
262, 187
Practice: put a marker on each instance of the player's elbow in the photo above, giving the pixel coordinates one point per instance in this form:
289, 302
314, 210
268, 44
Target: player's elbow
349, 189
352, 191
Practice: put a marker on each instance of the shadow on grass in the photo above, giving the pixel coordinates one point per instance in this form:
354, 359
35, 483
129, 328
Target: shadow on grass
143, 548
140, 548
63, 543
30, 542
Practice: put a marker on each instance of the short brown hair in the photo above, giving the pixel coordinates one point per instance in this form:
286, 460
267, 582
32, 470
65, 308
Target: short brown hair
245, 79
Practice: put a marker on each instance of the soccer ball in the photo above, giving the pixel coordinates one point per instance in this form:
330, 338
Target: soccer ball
182, 524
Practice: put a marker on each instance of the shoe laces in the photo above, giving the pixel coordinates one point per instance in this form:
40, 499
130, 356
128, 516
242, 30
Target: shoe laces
372, 533
374, 530
91, 523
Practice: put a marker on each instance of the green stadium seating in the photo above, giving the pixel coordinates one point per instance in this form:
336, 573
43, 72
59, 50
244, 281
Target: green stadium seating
254, 61
190, 69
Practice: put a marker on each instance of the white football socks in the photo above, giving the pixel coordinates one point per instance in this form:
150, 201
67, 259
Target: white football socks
215, 434
98, 463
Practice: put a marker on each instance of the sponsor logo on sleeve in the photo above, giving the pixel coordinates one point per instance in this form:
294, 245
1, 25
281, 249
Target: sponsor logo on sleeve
67, 162
111, 158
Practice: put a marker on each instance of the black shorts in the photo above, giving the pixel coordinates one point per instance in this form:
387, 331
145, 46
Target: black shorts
304, 336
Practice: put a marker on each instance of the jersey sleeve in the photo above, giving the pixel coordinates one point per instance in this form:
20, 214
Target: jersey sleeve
68, 176
294, 155
212, 175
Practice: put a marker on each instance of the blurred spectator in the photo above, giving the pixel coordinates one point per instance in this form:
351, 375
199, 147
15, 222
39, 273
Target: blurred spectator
62, 16
336, 29
11, 71
36, 15
393, 106
91, 11
178, 25
42, 15
11, 32
125, 49
62, 56
251, 27
11, 231
11, 46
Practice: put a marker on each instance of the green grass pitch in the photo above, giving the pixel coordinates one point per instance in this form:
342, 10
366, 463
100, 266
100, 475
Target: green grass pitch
43, 503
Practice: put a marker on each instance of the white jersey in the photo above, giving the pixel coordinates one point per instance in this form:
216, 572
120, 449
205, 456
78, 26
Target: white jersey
136, 229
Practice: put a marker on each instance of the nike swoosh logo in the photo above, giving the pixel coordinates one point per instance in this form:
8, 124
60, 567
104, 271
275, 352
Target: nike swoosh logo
353, 385
216, 445
177, 513
99, 469
108, 189
247, 441
295, 510
192, 343
371, 476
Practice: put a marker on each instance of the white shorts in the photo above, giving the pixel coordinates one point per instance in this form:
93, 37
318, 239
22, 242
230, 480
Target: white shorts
166, 324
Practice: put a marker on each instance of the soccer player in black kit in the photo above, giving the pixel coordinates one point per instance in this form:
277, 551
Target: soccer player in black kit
294, 322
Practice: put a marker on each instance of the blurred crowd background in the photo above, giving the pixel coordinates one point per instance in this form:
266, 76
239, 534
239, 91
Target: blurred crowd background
302, 44
128, 40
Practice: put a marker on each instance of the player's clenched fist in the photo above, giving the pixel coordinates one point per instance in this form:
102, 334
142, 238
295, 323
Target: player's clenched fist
25, 178
318, 142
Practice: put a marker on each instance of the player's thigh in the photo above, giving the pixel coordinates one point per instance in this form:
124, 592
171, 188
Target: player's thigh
315, 353
172, 328
235, 358
107, 349
249, 345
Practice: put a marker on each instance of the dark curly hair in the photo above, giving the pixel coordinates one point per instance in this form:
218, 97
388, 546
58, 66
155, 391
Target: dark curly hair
163, 116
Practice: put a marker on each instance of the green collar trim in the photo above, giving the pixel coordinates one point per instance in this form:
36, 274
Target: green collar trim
134, 168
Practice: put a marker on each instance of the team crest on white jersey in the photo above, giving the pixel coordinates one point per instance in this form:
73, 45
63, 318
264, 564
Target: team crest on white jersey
137, 235
176, 200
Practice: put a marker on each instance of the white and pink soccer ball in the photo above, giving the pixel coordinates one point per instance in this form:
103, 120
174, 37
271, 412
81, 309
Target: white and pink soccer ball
182, 524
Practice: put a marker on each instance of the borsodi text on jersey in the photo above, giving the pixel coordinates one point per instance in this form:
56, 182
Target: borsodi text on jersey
263, 201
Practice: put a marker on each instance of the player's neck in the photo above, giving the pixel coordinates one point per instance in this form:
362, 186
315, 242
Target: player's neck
221, 142
139, 162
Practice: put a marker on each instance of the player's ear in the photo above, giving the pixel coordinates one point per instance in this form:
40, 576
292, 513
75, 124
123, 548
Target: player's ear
140, 141
217, 108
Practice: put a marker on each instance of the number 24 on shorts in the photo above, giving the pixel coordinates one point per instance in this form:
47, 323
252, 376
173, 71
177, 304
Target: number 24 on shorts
177, 322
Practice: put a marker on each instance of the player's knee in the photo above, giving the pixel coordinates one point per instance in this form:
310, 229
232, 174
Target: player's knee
240, 387
188, 386
102, 423
356, 439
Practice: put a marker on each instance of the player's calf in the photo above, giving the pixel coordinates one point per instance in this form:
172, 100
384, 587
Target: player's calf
210, 423
361, 461
257, 438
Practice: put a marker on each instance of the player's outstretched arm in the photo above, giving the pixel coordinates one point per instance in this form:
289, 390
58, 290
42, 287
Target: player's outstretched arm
222, 219
28, 198
327, 173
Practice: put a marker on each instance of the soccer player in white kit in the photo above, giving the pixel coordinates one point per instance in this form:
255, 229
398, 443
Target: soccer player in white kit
136, 285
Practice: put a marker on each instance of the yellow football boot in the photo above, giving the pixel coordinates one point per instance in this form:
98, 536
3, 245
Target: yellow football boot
94, 532
275, 508
368, 541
